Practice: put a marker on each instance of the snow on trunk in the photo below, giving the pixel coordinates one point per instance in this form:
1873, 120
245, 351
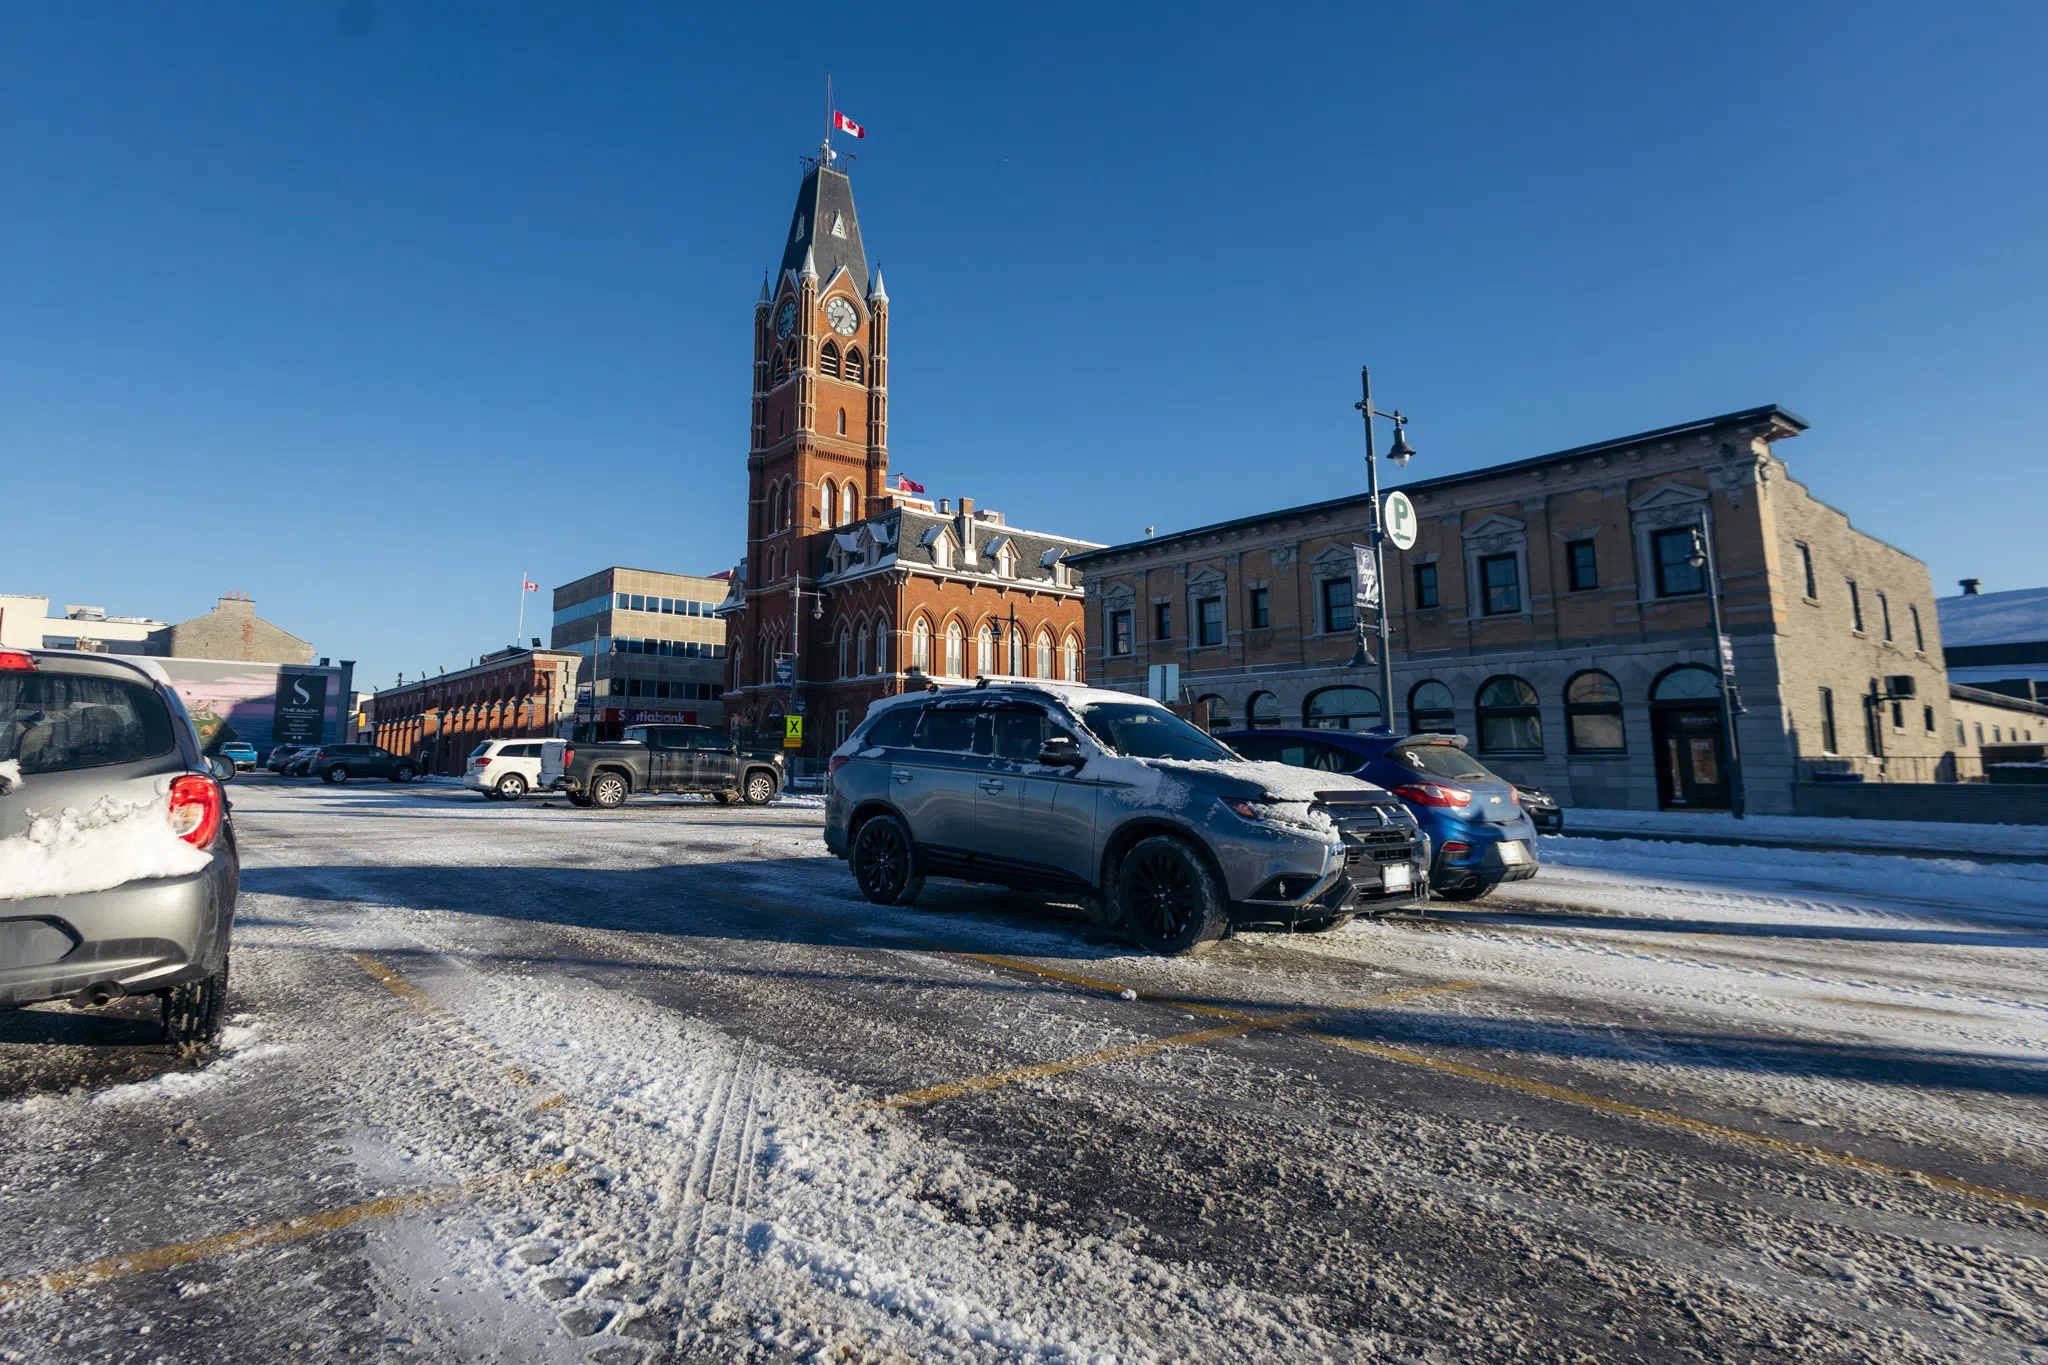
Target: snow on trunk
105, 845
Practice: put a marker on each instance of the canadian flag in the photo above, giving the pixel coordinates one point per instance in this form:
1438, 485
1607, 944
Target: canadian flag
530, 586
842, 123
905, 485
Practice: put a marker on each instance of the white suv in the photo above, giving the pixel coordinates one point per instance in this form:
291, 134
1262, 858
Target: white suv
505, 769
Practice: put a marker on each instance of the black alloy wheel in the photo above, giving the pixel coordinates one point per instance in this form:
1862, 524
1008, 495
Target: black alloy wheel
1169, 899
192, 1013
885, 863
402, 773
760, 788
337, 773
511, 786
607, 791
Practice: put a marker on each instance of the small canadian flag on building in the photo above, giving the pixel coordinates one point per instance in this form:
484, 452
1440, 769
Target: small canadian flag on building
841, 123
531, 586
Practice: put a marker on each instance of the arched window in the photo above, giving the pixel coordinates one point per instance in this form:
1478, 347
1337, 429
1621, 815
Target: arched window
921, 646
1509, 720
882, 645
849, 509
1431, 709
845, 651
788, 512
860, 652
1342, 708
778, 370
828, 361
828, 503
774, 509
1042, 664
1219, 712
1263, 711
1592, 714
1689, 682
842, 421
985, 650
956, 640
1070, 659
789, 355
853, 365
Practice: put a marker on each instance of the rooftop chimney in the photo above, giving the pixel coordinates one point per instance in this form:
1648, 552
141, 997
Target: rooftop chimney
1970, 586
945, 507
967, 507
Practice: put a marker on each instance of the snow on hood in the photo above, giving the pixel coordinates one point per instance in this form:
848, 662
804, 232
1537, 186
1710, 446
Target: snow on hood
105, 845
1161, 784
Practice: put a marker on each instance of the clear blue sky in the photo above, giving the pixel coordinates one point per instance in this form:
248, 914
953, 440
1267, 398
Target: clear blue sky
365, 308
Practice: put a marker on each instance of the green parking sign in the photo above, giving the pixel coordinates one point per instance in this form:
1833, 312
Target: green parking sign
1400, 520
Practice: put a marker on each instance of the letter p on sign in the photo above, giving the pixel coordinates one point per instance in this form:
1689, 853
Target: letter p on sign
1400, 521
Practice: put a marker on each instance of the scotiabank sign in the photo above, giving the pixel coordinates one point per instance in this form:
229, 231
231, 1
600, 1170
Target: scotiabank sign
648, 717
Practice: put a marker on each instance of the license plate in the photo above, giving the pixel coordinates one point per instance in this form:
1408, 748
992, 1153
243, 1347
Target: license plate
1512, 853
1397, 876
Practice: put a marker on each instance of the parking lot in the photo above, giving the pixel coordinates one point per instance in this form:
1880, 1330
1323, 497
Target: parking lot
531, 1082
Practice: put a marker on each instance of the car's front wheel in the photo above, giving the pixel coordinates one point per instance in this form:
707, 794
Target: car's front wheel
607, 791
578, 799
402, 773
759, 788
885, 863
1168, 897
192, 1013
511, 787
337, 773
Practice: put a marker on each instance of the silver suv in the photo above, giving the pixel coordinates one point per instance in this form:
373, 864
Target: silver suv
1115, 799
118, 869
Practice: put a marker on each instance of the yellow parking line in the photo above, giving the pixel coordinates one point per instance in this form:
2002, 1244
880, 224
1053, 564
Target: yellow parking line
1702, 1127
419, 999
64, 1280
1246, 1023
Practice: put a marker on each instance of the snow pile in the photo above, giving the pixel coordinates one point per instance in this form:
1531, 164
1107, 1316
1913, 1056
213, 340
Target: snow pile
10, 775
1844, 833
107, 844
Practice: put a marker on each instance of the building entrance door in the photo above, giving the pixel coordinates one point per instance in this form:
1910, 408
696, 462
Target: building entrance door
1692, 767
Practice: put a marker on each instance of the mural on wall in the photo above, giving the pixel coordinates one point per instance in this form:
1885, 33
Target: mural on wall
230, 700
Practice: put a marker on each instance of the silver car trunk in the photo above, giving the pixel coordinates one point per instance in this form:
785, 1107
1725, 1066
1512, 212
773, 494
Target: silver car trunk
87, 735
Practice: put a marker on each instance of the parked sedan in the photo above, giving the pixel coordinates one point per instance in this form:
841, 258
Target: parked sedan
279, 755
139, 897
1544, 812
1474, 816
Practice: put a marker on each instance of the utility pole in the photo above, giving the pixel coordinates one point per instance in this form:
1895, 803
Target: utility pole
1400, 453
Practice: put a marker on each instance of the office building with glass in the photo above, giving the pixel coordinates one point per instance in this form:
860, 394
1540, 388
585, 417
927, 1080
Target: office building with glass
652, 648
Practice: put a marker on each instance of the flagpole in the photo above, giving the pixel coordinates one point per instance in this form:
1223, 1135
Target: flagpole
520, 634
828, 118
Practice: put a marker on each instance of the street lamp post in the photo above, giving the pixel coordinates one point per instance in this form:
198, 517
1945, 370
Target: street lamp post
1400, 453
796, 602
1702, 558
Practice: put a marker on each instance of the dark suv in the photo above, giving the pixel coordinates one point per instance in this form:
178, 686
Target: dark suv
1113, 799
340, 762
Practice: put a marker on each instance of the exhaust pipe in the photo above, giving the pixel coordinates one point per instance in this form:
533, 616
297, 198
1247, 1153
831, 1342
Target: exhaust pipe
98, 994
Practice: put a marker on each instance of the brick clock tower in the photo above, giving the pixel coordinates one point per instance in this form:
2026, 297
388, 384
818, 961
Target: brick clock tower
847, 582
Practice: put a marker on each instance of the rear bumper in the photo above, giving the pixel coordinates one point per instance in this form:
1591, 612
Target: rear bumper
1489, 865
144, 936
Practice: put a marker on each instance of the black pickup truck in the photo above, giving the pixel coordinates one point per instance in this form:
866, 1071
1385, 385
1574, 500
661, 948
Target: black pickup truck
664, 758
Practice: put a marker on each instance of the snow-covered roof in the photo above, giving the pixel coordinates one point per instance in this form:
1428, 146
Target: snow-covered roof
1994, 618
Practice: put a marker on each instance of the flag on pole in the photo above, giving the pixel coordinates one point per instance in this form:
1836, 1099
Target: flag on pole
841, 123
531, 586
904, 485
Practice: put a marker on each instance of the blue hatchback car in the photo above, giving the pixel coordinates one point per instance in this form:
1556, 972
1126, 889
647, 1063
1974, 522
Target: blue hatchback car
1473, 816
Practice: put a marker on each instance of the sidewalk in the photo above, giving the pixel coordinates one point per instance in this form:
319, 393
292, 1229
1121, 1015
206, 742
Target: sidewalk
1908, 838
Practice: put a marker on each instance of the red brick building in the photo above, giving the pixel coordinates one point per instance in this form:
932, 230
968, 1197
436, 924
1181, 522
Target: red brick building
852, 590
513, 694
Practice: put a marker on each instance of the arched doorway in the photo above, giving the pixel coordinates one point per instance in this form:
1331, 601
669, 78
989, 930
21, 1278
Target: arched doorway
1262, 712
1685, 730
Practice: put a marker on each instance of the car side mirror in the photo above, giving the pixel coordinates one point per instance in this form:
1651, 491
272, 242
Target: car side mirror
1061, 753
223, 769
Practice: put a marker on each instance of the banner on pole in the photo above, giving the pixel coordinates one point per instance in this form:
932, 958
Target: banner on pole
1368, 576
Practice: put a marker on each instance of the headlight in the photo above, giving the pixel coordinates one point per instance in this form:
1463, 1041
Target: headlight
1249, 810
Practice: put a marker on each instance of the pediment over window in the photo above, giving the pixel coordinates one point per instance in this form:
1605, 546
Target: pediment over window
1669, 495
1119, 594
1334, 558
1497, 525
1205, 579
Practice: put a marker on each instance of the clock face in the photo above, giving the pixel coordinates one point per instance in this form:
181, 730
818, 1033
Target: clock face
785, 321
840, 314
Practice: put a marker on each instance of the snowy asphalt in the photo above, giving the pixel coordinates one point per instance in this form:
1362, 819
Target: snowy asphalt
536, 1083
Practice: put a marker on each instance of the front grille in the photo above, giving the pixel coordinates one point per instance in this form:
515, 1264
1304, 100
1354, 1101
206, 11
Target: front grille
1373, 832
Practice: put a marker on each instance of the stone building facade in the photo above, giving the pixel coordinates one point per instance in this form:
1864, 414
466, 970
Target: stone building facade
1547, 611
233, 630
652, 643
512, 694
852, 589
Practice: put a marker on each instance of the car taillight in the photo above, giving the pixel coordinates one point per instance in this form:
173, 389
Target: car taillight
568, 757
1456, 850
1514, 797
837, 762
1434, 794
481, 762
14, 661
196, 805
